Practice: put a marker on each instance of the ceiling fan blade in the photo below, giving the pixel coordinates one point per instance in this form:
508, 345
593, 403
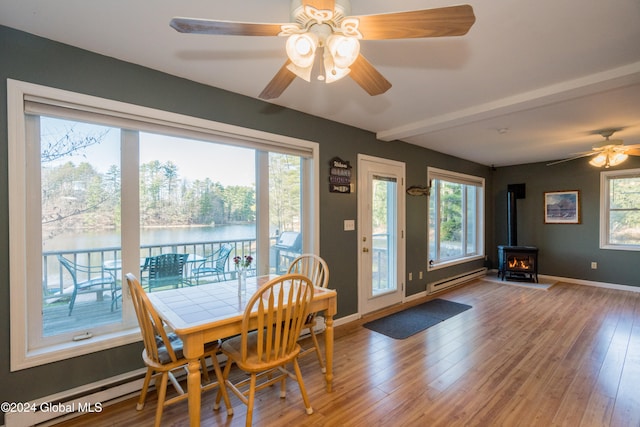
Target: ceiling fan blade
445, 21
320, 4
278, 84
224, 28
590, 153
633, 151
369, 79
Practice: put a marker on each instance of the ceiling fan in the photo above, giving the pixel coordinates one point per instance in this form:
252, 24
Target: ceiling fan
610, 152
326, 27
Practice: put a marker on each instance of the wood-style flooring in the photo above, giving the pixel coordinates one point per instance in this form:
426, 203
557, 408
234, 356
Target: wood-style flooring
569, 356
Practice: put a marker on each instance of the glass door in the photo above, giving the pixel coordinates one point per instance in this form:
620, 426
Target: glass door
381, 233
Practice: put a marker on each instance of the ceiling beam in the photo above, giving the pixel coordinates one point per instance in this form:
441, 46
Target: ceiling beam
607, 80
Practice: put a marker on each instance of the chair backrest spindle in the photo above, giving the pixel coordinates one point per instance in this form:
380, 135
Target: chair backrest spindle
279, 308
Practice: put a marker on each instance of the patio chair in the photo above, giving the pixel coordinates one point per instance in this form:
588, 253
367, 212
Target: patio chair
163, 354
88, 279
270, 329
166, 270
316, 269
213, 265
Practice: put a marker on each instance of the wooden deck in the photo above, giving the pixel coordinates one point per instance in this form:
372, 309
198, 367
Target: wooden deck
568, 356
88, 310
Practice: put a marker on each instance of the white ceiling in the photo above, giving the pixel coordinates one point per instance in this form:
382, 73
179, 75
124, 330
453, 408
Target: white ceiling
531, 81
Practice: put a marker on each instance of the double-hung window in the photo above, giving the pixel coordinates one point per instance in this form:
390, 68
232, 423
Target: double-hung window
620, 210
455, 218
98, 186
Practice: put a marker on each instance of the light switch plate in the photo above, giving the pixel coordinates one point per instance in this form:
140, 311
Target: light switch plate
349, 224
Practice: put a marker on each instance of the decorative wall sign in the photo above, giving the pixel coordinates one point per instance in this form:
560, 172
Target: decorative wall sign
562, 207
416, 190
339, 176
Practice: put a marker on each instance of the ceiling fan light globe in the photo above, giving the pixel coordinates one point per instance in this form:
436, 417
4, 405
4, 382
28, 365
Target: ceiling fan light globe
344, 50
617, 158
599, 160
303, 72
332, 71
336, 74
301, 49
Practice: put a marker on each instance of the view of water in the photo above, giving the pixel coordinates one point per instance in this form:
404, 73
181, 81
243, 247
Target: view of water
151, 236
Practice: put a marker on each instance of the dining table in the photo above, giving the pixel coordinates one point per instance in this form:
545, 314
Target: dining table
213, 311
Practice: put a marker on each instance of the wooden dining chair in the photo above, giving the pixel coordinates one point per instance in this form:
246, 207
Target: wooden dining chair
271, 325
316, 269
163, 355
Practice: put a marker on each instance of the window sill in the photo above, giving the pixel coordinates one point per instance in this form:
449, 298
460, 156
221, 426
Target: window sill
457, 261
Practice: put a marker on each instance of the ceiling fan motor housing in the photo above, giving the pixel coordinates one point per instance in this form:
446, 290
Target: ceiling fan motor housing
342, 8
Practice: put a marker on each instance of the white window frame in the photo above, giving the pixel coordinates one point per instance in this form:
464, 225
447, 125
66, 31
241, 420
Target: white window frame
459, 178
605, 197
24, 194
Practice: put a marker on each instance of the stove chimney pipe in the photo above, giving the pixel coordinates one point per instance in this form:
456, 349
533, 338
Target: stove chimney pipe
514, 192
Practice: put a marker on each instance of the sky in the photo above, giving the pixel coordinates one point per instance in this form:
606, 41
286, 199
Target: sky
222, 163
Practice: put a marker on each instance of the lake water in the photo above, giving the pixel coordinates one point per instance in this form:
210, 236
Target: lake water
151, 236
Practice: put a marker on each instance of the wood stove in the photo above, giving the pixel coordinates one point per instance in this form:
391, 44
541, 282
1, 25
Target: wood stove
518, 262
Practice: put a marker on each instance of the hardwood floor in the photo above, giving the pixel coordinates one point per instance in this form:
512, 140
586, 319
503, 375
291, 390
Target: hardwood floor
569, 356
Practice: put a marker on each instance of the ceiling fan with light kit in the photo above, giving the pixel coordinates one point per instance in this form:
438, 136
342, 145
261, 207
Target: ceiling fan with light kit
610, 152
324, 29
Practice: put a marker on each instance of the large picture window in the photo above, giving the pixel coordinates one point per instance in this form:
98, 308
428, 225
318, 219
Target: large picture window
455, 218
620, 210
98, 188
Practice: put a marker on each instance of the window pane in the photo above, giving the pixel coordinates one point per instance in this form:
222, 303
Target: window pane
471, 223
285, 210
196, 197
384, 236
624, 211
624, 228
450, 220
80, 182
625, 193
432, 222
455, 213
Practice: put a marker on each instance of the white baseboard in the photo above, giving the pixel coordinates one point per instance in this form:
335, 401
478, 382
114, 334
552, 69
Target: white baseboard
594, 283
586, 282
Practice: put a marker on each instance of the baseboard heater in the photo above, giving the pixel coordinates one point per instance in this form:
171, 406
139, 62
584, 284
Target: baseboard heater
449, 282
92, 397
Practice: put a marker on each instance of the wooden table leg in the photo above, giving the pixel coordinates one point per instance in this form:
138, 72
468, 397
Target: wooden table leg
328, 346
193, 388
193, 348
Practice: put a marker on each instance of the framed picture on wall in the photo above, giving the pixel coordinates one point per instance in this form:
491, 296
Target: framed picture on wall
562, 207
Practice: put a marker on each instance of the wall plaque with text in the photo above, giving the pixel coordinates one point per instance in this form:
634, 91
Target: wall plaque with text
339, 176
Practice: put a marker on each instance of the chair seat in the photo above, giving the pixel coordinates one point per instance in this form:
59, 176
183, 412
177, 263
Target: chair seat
207, 270
178, 348
233, 347
98, 281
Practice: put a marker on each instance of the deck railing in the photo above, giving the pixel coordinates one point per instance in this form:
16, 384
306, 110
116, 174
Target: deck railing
53, 282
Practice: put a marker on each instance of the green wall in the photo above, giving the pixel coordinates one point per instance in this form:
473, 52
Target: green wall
32, 59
